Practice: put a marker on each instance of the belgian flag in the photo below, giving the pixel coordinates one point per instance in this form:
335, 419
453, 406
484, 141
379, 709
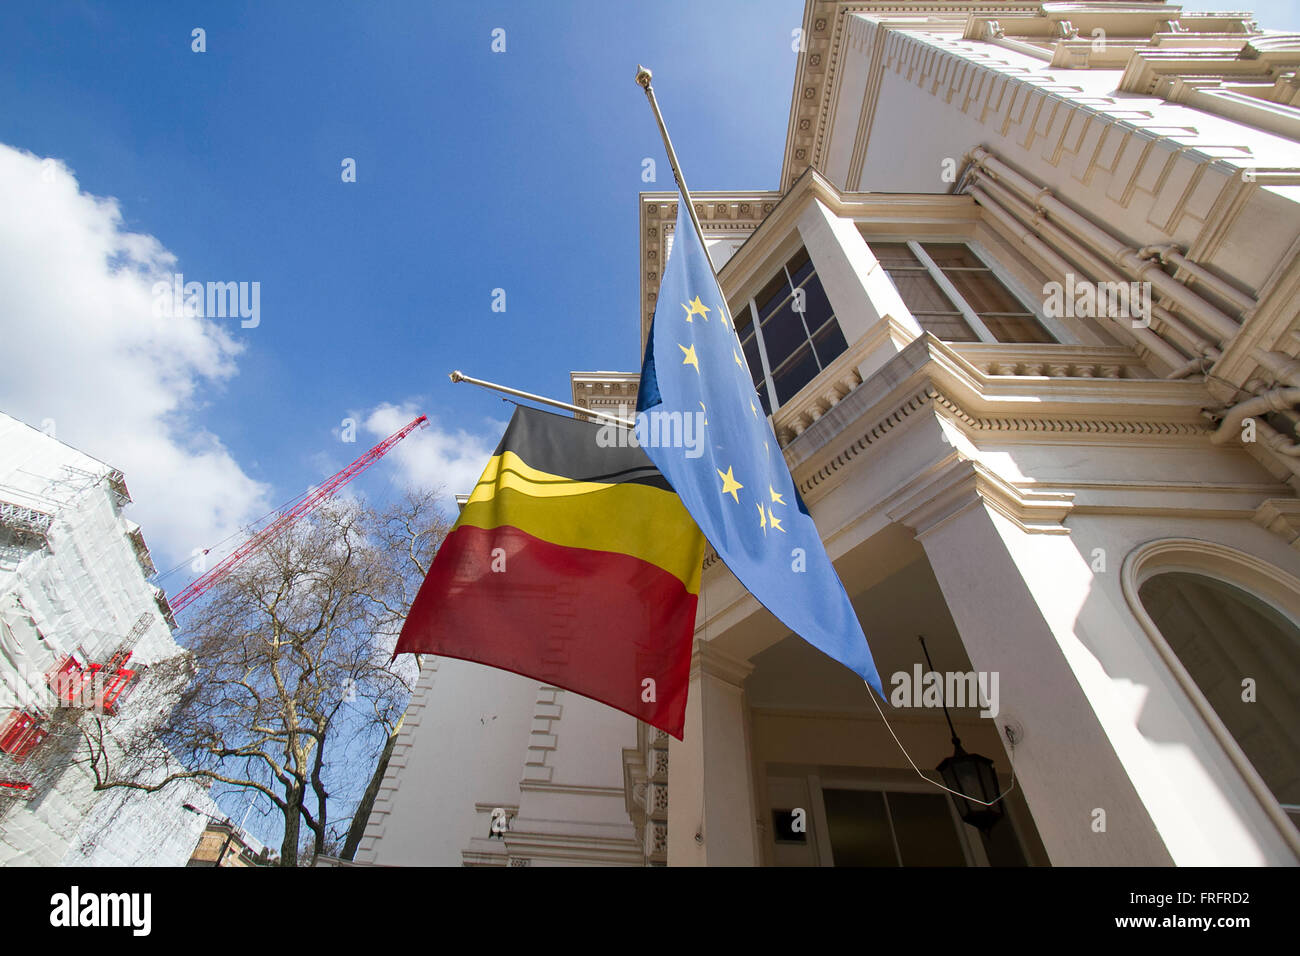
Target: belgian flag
574, 563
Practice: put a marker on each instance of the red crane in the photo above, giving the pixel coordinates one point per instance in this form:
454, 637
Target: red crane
318, 495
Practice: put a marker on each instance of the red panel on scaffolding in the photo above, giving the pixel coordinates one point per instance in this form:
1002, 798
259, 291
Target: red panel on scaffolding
20, 734
113, 687
69, 679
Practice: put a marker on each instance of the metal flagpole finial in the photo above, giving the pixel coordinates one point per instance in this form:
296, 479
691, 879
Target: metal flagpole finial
643, 77
457, 376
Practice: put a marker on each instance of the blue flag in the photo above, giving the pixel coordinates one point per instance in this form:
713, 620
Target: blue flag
732, 477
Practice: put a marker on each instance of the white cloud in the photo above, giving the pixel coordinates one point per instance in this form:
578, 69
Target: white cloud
82, 347
435, 457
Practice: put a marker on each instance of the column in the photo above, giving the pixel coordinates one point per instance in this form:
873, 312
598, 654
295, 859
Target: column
1080, 763
710, 784
865, 301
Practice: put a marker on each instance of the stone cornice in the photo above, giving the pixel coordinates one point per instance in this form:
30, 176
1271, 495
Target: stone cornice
929, 376
604, 391
829, 32
1149, 68
825, 30
960, 484
928, 370
707, 659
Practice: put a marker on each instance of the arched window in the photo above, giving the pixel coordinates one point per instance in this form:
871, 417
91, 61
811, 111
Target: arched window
1243, 655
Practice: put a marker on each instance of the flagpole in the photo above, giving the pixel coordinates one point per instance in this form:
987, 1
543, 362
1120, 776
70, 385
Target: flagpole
459, 376
643, 78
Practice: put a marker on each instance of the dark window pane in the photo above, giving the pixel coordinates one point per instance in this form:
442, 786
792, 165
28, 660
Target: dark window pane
771, 295
829, 343
782, 334
1016, 328
743, 320
762, 398
1221, 634
752, 358
800, 266
795, 374
925, 830
817, 308
858, 828
783, 828
1002, 847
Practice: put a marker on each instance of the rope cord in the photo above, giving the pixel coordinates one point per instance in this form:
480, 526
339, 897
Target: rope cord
964, 796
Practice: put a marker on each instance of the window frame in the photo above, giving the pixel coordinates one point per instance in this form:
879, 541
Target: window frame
750, 302
1265, 582
972, 844
1013, 287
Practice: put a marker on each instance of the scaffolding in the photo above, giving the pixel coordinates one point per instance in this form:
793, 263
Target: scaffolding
87, 657
27, 524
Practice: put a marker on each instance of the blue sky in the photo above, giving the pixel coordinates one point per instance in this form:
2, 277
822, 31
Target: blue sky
475, 171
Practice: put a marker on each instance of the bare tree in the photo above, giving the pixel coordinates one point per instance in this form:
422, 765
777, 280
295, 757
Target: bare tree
293, 691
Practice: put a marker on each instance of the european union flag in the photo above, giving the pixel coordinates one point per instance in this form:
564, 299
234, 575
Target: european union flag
735, 483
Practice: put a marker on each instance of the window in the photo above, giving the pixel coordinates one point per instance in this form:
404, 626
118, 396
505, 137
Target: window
1222, 636
902, 828
954, 294
796, 334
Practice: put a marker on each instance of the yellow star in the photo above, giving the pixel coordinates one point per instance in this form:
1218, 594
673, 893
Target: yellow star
775, 521
729, 483
762, 518
775, 497
753, 408
690, 357
706, 413
736, 356
696, 308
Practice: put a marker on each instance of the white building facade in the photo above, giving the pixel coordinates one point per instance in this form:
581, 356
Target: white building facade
1024, 314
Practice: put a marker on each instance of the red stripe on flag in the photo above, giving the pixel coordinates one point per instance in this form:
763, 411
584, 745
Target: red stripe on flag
597, 623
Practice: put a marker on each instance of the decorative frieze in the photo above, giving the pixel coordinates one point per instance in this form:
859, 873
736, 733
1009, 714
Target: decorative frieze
728, 216
645, 784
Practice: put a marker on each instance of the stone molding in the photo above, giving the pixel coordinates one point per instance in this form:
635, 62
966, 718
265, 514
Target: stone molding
930, 373
734, 214
543, 736
961, 484
1282, 517
645, 792
421, 696
831, 28
707, 659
